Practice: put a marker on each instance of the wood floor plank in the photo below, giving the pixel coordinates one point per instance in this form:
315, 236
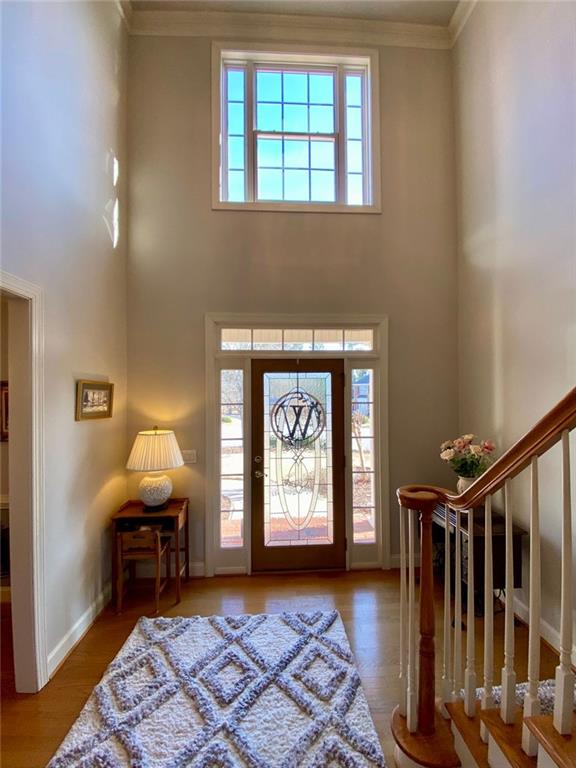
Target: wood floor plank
34, 725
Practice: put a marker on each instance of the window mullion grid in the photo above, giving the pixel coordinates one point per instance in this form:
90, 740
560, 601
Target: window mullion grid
340, 137
224, 134
282, 132
366, 139
250, 132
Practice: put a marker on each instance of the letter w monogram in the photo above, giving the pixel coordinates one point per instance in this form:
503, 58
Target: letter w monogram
296, 424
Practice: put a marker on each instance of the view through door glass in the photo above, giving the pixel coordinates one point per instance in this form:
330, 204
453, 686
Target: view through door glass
298, 465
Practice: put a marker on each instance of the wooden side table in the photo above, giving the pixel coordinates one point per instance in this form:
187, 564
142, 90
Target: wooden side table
498, 547
173, 521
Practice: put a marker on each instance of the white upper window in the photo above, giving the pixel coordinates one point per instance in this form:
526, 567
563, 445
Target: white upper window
295, 130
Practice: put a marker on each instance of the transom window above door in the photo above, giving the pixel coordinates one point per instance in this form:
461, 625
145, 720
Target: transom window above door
295, 131
297, 339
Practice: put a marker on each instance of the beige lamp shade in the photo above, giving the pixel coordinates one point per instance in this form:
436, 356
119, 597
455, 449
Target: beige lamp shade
154, 450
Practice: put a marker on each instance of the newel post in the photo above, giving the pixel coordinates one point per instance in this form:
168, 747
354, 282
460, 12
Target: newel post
424, 502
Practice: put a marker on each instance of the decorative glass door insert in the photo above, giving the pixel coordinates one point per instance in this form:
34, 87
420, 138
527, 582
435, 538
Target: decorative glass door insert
298, 504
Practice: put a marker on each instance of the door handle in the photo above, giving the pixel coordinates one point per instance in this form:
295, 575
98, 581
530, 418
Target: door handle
258, 474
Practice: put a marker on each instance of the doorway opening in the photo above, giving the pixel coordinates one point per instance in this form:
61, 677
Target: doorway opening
22, 480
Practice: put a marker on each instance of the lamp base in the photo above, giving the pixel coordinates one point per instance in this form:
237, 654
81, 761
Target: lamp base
154, 491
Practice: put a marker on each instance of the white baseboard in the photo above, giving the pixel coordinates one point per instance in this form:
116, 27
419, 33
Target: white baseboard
197, 569
395, 561
147, 569
231, 570
78, 630
547, 631
373, 566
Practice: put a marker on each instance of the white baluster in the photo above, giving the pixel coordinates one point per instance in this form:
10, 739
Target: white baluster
564, 690
412, 694
487, 693
531, 703
403, 612
458, 612
508, 704
470, 674
447, 681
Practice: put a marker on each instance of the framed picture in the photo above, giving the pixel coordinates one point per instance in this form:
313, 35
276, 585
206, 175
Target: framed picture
93, 399
4, 411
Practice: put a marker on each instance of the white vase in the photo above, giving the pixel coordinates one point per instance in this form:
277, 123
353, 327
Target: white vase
464, 483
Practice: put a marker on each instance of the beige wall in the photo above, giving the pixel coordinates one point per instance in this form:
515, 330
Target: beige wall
3, 377
63, 90
515, 75
186, 260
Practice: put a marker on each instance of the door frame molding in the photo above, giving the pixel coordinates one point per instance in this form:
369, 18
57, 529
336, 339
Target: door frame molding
32, 601
242, 359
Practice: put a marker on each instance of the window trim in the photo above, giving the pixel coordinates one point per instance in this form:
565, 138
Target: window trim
320, 56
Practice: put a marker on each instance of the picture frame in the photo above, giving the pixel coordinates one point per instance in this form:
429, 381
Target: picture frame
94, 399
4, 420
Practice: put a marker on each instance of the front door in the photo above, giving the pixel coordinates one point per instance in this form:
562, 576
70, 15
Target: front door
298, 508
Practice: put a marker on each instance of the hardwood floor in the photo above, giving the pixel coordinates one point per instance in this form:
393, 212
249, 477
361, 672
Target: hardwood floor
34, 725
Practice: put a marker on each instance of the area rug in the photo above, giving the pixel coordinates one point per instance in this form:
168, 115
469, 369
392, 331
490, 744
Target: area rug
265, 691
546, 695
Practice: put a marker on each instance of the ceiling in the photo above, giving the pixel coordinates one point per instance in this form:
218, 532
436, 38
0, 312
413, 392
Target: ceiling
433, 12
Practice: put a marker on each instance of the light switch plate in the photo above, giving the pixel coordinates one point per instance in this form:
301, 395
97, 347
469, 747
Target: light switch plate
189, 457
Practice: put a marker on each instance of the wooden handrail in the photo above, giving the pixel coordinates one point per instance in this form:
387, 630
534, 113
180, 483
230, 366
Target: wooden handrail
535, 442
423, 498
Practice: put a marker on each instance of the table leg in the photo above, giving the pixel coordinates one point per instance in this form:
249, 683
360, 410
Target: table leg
114, 564
187, 546
177, 556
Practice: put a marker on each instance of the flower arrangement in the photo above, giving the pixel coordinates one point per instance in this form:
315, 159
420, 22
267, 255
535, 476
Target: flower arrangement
467, 458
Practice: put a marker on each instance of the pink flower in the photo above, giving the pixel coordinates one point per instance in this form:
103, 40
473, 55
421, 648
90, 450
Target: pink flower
487, 446
459, 444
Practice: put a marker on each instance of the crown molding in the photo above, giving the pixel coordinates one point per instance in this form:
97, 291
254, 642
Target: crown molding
276, 27
459, 18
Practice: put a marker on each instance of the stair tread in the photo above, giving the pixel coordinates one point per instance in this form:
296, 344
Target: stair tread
562, 749
469, 728
508, 737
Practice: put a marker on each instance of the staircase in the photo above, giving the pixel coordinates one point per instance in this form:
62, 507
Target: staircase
469, 722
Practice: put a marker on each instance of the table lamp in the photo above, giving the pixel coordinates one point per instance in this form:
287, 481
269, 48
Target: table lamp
155, 450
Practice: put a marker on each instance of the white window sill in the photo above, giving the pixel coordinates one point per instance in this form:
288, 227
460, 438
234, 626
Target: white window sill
296, 207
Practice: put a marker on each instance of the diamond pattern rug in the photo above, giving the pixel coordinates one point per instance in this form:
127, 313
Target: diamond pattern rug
265, 691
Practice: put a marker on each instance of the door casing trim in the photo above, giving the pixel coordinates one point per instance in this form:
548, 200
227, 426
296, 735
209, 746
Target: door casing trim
34, 601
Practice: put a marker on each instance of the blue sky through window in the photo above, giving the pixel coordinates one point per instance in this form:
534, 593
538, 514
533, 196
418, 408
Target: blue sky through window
354, 140
235, 85
291, 168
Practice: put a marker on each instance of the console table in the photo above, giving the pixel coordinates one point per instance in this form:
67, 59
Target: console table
172, 521
498, 546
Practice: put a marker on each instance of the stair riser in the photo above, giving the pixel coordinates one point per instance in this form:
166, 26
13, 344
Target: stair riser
402, 759
462, 750
496, 757
544, 759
